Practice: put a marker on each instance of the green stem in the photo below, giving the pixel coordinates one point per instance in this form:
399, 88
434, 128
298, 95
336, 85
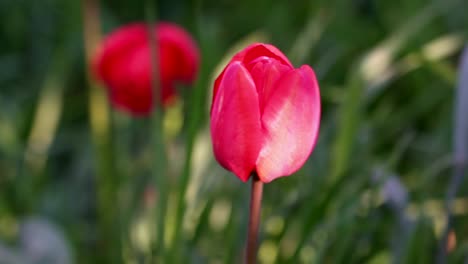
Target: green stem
101, 137
159, 154
194, 120
160, 181
183, 183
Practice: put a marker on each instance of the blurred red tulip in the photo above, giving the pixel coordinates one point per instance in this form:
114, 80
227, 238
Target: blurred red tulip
265, 114
123, 63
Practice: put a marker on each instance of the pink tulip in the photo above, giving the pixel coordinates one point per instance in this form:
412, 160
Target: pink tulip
123, 63
265, 114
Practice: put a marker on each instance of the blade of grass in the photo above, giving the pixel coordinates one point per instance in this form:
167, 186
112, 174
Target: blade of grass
314, 213
101, 137
349, 123
309, 37
42, 133
195, 117
235, 230
193, 126
47, 116
432, 53
421, 242
460, 148
159, 168
373, 64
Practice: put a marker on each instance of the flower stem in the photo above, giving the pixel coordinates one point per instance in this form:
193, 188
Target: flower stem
254, 220
100, 124
159, 152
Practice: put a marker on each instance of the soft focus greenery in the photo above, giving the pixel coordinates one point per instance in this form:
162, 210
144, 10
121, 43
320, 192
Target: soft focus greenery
373, 190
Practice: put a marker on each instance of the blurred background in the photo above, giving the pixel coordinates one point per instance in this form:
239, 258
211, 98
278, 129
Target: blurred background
81, 183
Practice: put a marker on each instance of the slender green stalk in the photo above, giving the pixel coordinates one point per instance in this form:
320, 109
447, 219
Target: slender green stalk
194, 119
160, 181
181, 204
254, 220
460, 155
101, 137
159, 153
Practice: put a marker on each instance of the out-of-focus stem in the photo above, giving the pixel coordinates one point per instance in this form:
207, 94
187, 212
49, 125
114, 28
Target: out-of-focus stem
461, 151
182, 190
47, 116
254, 220
159, 149
159, 169
99, 115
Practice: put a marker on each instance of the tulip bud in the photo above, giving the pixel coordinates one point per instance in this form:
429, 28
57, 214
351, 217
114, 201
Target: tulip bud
265, 114
123, 63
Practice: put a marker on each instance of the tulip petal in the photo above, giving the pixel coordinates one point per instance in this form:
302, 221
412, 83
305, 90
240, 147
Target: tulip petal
116, 48
235, 122
178, 53
266, 74
257, 50
133, 91
290, 121
251, 53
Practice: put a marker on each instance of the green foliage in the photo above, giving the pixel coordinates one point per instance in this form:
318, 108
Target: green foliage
387, 72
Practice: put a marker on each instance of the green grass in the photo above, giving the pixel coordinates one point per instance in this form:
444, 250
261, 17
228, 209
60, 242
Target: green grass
388, 73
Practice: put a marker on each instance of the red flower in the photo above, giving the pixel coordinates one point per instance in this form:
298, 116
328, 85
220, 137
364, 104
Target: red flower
123, 63
265, 114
